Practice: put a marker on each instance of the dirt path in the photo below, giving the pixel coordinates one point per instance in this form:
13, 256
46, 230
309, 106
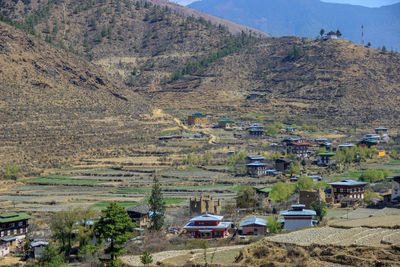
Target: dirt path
162, 256
213, 138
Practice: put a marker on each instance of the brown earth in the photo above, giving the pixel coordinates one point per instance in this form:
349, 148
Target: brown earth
55, 106
267, 253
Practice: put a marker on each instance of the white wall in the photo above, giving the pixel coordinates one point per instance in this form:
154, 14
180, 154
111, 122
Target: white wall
395, 189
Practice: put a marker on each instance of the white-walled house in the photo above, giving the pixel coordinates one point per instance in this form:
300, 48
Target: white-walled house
331, 35
298, 217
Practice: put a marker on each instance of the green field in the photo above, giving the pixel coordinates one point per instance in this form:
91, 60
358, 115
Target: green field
393, 162
133, 190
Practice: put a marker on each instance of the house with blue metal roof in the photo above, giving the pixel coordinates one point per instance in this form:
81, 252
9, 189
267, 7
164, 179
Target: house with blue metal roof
297, 217
348, 189
256, 168
253, 226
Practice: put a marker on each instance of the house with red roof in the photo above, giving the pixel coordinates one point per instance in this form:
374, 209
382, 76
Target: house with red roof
207, 226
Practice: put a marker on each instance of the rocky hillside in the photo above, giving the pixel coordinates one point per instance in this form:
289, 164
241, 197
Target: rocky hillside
335, 81
55, 106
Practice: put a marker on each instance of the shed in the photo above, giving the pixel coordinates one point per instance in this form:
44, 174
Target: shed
253, 226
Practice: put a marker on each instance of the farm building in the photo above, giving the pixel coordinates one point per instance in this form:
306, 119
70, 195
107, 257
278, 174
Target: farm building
291, 129
38, 248
256, 168
326, 159
346, 146
253, 226
256, 125
348, 189
140, 215
289, 141
395, 188
370, 143
207, 226
381, 130
254, 158
226, 123
197, 119
297, 217
204, 204
283, 164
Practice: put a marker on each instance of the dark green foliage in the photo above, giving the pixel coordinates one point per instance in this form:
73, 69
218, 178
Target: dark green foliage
157, 206
273, 225
321, 32
116, 226
10, 173
320, 208
245, 197
374, 175
146, 258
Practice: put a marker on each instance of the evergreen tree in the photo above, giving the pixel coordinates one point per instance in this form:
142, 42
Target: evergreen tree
157, 206
116, 226
320, 208
321, 32
146, 258
338, 33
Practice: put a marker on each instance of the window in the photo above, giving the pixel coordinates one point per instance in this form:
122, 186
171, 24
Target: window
20, 223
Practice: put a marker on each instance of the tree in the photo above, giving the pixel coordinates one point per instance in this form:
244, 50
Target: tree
320, 208
304, 183
293, 169
369, 44
115, 226
338, 33
384, 48
146, 258
245, 197
322, 32
273, 225
51, 257
157, 206
281, 191
11, 172
374, 175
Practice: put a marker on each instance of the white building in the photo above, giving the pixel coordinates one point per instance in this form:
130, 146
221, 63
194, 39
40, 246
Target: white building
298, 217
395, 188
331, 35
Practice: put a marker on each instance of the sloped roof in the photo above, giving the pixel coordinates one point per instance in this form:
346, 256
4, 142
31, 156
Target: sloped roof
293, 212
226, 120
256, 163
348, 182
207, 217
142, 209
255, 157
198, 114
13, 216
250, 221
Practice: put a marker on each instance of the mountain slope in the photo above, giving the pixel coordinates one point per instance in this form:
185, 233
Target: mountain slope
307, 17
55, 107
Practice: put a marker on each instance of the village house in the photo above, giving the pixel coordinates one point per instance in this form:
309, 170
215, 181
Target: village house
395, 188
253, 226
226, 123
291, 129
372, 136
326, 159
205, 204
197, 119
256, 168
331, 35
298, 217
307, 197
254, 158
38, 248
256, 125
207, 226
289, 141
348, 189
327, 146
256, 132
299, 149
321, 140
13, 227
283, 164
370, 143
139, 214
381, 130
345, 146
263, 191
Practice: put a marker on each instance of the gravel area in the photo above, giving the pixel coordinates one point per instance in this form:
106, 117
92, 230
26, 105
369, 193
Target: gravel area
336, 236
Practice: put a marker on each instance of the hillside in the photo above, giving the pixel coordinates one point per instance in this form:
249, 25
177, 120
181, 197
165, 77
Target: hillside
306, 17
335, 81
56, 107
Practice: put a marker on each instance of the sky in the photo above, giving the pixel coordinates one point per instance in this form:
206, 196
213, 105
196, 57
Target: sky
368, 3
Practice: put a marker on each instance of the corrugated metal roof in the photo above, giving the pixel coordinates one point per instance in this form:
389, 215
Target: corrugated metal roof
348, 182
251, 221
207, 217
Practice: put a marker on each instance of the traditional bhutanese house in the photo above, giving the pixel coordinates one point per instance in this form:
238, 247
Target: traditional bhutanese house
283, 164
254, 158
289, 141
326, 159
38, 248
327, 146
13, 227
139, 214
370, 143
256, 132
298, 217
321, 140
253, 226
291, 129
226, 123
395, 188
348, 189
197, 119
381, 130
346, 146
207, 226
331, 35
256, 168
299, 149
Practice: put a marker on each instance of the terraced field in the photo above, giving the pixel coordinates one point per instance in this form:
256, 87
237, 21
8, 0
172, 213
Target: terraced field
374, 237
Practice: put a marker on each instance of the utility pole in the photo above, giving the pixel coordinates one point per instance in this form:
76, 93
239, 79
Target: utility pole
362, 35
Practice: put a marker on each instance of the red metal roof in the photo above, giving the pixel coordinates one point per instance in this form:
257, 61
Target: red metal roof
302, 144
331, 33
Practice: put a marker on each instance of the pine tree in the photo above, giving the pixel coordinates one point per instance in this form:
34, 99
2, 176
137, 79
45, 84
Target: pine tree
157, 206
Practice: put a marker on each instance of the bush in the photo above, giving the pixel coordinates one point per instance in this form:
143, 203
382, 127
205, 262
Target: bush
374, 175
304, 183
273, 225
